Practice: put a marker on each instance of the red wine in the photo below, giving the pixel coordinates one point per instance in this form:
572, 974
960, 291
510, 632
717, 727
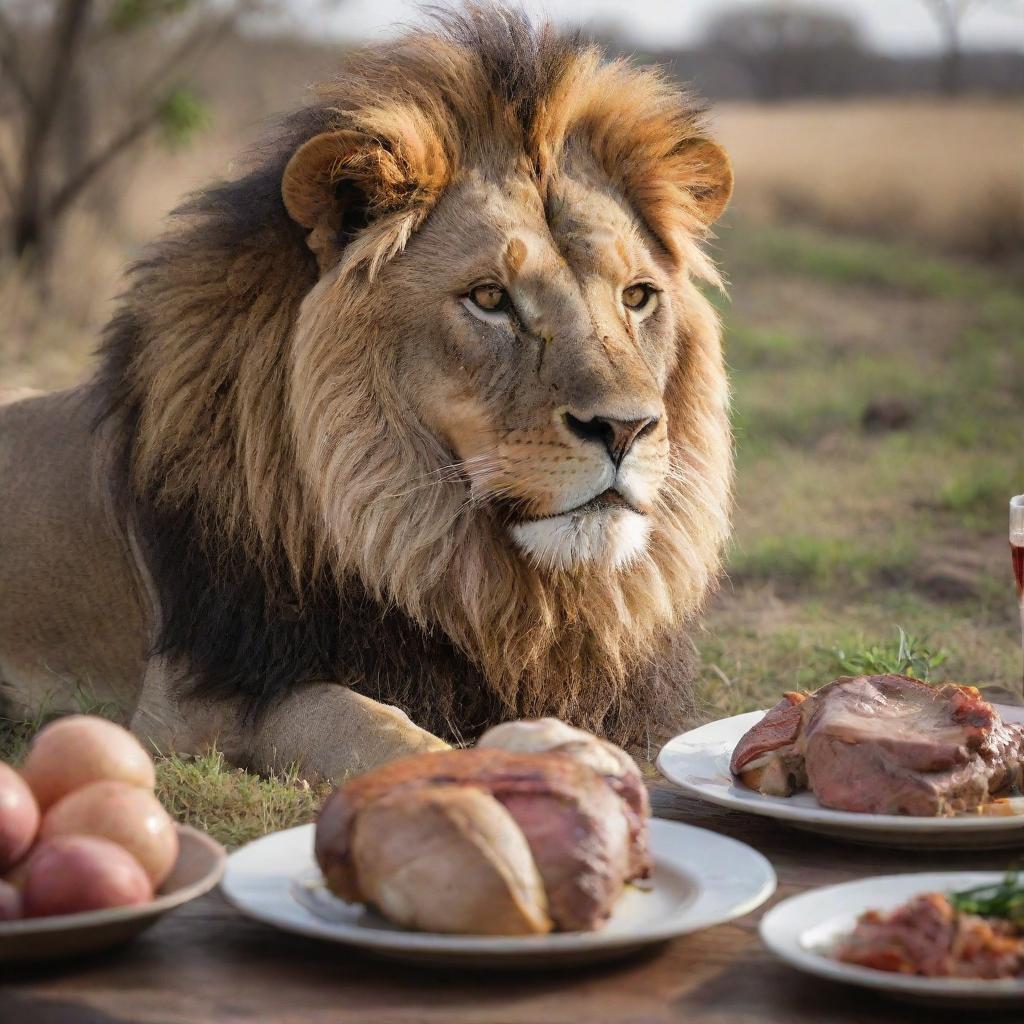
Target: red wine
1017, 551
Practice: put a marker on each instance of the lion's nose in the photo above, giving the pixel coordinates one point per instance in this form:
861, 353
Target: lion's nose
617, 436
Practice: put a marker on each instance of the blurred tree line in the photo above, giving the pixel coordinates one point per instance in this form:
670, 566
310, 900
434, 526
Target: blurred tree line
774, 51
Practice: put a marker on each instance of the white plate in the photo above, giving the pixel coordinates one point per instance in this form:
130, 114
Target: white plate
698, 761
802, 929
700, 879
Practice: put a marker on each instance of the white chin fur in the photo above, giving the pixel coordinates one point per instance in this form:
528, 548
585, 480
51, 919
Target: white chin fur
561, 542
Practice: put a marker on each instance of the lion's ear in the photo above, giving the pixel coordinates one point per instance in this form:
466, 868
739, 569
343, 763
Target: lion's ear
679, 193
712, 184
338, 181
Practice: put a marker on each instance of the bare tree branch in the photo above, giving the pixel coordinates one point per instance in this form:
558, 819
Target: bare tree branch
202, 37
12, 68
123, 140
6, 181
68, 32
76, 26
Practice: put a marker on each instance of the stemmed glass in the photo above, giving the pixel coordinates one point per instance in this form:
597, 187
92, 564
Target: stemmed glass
1017, 553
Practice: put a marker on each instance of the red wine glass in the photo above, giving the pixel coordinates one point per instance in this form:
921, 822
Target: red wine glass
1017, 552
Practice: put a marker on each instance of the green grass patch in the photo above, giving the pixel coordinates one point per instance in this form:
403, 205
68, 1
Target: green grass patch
820, 561
751, 346
980, 496
747, 668
232, 805
743, 668
15, 738
907, 655
841, 260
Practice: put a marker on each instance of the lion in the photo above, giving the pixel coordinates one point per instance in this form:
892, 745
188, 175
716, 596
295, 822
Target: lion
418, 424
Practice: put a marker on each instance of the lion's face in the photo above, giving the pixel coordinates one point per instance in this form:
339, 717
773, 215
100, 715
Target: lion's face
536, 346
506, 370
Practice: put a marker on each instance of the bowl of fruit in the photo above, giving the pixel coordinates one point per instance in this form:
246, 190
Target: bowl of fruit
89, 857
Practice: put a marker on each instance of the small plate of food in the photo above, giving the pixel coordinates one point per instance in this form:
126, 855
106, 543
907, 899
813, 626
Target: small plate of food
880, 759
89, 858
943, 938
534, 848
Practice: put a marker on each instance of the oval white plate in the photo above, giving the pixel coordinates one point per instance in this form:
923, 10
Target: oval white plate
698, 761
700, 879
802, 929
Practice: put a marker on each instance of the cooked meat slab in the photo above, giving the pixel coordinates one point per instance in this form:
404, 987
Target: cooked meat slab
579, 826
928, 937
884, 744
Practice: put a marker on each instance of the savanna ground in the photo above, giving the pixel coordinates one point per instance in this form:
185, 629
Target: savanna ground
875, 333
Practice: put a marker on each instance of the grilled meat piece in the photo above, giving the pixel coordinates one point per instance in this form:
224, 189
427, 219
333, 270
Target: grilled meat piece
766, 757
576, 826
619, 770
433, 857
884, 744
928, 937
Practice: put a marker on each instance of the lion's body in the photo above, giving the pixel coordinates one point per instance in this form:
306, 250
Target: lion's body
309, 477
72, 624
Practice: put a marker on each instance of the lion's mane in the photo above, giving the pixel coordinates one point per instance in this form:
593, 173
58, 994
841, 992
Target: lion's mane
280, 555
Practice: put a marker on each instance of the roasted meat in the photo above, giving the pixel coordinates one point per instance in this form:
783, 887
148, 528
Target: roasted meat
429, 857
578, 826
884, 744
928, 937
768, 757
619, 770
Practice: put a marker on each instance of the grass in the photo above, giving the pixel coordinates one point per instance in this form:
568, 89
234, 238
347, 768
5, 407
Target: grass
906, 655
815, 254
974, 495
232, 805
801, 561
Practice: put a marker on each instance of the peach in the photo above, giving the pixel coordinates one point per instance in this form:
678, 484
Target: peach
19, 817
72, 874
124, 814
75, 751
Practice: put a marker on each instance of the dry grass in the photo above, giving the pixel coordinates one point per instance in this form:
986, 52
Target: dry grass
947, 175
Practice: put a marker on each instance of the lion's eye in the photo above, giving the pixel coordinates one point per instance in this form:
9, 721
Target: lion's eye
491, 298
638, 296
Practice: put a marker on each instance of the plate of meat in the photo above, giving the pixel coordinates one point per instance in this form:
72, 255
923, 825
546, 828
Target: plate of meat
880, 759
533, 849
944, 938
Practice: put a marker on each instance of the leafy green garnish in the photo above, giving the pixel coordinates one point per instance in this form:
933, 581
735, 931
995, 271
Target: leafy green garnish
1003, 899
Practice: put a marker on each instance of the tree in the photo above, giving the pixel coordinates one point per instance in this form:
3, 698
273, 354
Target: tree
51, 54
949, 16
786, 49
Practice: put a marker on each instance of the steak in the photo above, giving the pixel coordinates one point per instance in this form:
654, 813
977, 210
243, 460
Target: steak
884, 744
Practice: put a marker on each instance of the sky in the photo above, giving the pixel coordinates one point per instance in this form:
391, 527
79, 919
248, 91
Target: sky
895, 26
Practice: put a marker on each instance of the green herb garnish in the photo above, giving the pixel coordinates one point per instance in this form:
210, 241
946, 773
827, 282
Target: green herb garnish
1004, 899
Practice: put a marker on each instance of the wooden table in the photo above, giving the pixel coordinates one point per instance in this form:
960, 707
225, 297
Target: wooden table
206, 963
